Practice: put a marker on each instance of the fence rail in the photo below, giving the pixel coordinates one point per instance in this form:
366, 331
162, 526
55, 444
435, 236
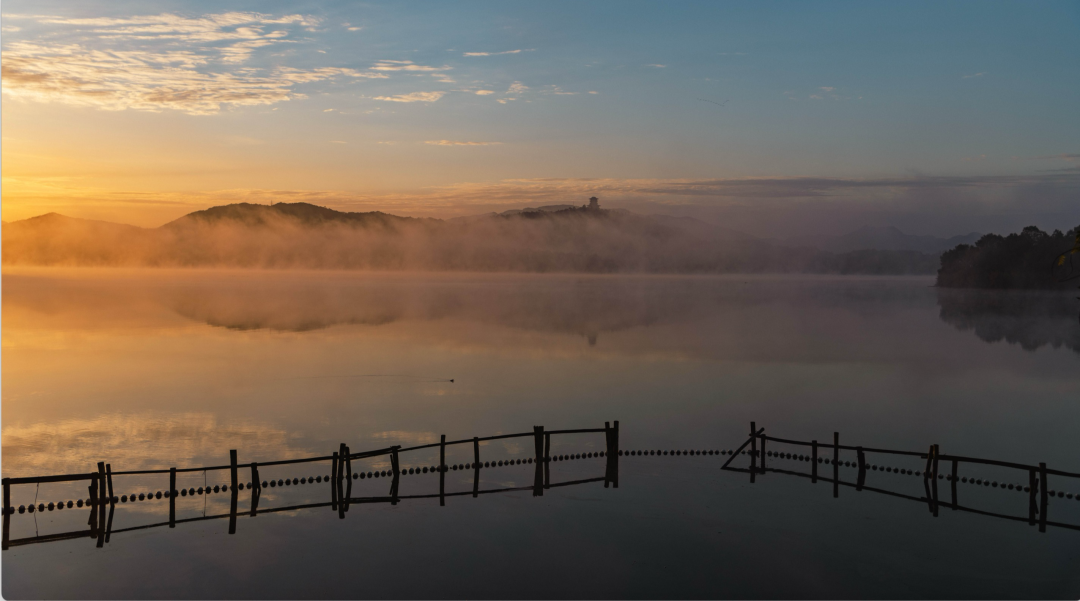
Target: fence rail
101, 494
1038, 488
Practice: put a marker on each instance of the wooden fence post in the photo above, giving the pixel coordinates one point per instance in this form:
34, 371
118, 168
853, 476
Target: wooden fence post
763, 440
1033, 488
933, 485
232, 468
102, 484
338, 484
476, 467
753, 452
348, 477
613, 459
547, 459
108, 479
333, 482
955, 469
1044, 487
256, 483
835, 464
232, 509
538, 452
813, 459
442, 470
7, 514
396, 473
172, 497
862, 469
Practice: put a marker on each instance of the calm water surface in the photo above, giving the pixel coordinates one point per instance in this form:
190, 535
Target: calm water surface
148, 370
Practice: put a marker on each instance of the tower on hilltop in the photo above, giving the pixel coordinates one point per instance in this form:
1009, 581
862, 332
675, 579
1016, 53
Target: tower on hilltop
594, 203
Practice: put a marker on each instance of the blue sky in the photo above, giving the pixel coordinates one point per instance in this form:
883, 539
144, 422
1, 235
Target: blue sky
938, 117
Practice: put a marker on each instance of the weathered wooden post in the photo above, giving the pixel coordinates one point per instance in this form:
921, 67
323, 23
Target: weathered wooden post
764, 438
442, 470
172, 497
101, 503
338, 484
256, 488
476, 467
1044, 487
813, 459
862, 469
348, 477
7, 531
334, 482
613, 459
835, 464
101, 483
396, 473
933, 484
108, 479
538, 451
547, 459
232, 469
7, 514
955, 469
753, 451
1033, 488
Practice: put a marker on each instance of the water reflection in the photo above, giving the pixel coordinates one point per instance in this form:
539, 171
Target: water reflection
1029, 319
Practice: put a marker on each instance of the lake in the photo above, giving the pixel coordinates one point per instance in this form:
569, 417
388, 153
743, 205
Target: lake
150, 370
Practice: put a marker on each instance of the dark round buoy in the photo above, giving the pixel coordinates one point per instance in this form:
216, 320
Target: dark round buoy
51, 506
273, 483
158, 495
31, 509
22, 508
318, 478
370, 475
1060, 494
303, 481
424, 470
1068, 495
142, 496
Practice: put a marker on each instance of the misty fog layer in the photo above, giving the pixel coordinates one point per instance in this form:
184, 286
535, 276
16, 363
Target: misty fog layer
301, 236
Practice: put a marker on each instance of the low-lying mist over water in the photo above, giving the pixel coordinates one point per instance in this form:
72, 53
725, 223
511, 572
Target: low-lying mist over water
304, 236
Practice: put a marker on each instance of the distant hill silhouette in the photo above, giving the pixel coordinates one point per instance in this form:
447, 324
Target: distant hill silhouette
301, 212
1023, 260
559, 238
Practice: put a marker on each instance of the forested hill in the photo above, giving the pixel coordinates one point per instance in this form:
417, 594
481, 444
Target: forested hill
1029, 259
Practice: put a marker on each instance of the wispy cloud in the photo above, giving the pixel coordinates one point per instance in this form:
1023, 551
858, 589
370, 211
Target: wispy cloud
160, 62
657, 66
413, 97
389, 65
495, 53
458, 143
484, 92
980, 74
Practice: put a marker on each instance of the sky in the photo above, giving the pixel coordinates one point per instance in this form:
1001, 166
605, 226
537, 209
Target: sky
774, 118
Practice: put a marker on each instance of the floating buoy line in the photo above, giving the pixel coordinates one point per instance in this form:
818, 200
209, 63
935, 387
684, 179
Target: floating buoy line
419, 470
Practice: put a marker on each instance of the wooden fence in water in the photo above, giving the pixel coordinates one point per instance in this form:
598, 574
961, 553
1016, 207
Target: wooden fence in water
1038, 489
101, 494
